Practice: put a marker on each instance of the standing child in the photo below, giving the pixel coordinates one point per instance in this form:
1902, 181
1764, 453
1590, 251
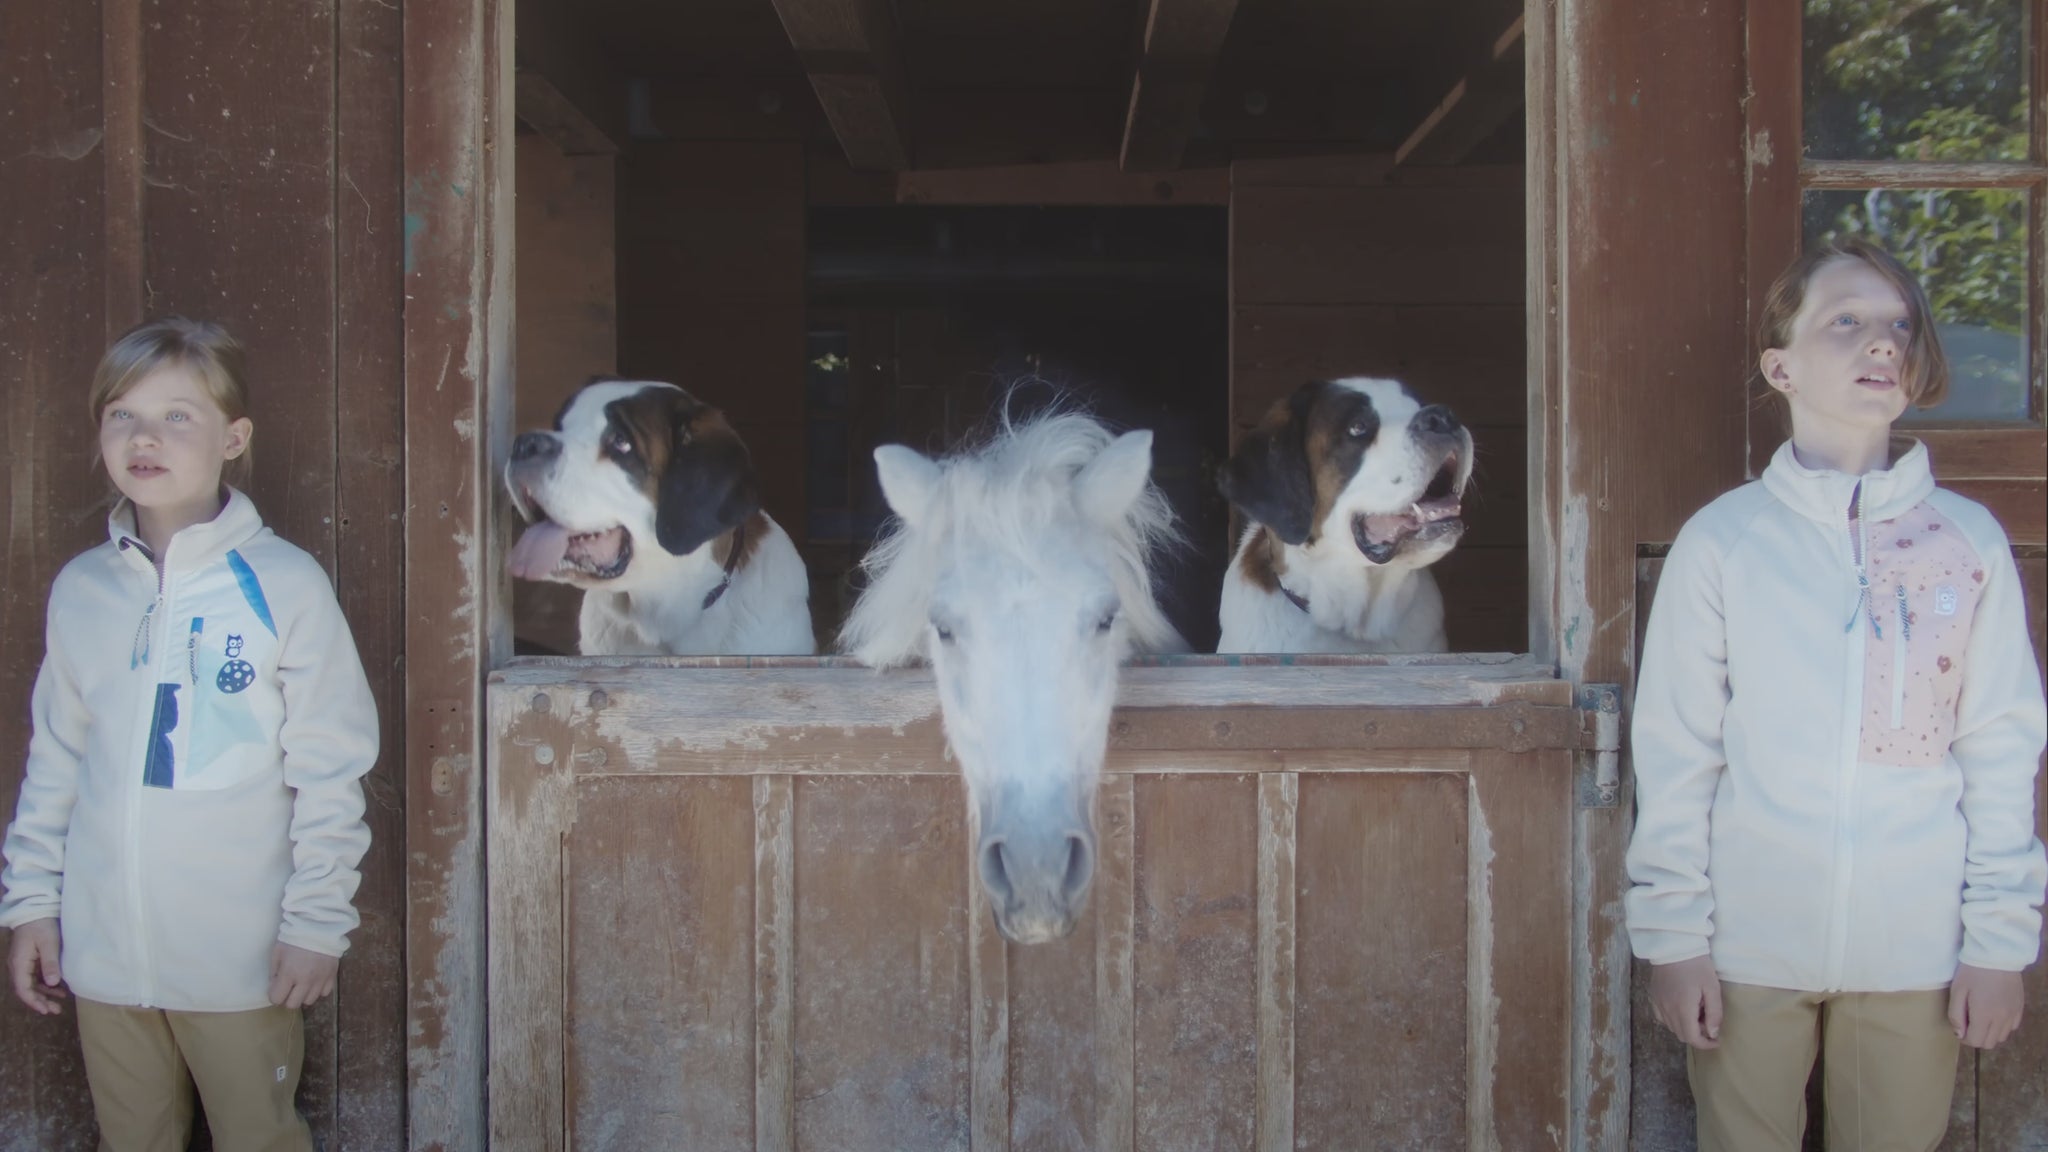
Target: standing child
184, 852
1836, 734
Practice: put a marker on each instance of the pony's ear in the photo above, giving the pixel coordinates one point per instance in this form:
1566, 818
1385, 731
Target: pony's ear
908, 481
1268, 476
708, 487
1108, 485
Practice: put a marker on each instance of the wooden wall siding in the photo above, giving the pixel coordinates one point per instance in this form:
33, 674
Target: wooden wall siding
265, 199
458, 160
1638, 108
1347, 268
734, 905
568, 324
1998, 1101
53, 324
711, 292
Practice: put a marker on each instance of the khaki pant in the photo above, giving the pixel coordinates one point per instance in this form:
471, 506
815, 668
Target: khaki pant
142, 1065
1889, 1072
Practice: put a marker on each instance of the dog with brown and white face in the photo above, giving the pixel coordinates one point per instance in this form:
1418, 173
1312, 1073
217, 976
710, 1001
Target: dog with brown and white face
1353, 489
644, 497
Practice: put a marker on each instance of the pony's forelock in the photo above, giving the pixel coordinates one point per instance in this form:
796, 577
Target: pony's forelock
1006, 494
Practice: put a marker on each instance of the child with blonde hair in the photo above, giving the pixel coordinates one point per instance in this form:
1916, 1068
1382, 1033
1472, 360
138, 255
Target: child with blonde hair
183, 854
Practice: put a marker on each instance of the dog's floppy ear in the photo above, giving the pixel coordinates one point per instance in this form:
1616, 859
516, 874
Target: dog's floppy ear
1268, 476
708, 487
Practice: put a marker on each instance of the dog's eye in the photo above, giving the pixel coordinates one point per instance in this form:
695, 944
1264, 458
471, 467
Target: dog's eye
618, 442
1359, 429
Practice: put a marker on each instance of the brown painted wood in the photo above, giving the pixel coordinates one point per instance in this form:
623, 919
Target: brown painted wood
121, 76
1195, 963
2003, 453
54, 316
774, 963
1470, 357
457, 159
1278, 958
1476, 107
1079, 182
1651, 177
659, 959
2020, 505
849, 49
369, 531
566, 86
1859, 174
1520, 986
543, 107
1116, 1048
1542, 290
1380, 1036
882, 1000
1390, 245
1177, 54
531, 804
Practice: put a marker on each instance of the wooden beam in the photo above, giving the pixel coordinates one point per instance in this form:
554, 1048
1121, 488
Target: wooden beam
1474, 109
548, 111
566, 88
848, 48
1182, 40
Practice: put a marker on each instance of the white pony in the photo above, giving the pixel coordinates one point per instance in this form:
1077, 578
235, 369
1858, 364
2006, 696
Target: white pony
1018, 570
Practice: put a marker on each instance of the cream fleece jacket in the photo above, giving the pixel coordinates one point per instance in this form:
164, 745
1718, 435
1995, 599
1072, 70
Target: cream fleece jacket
193, 792
1835, 739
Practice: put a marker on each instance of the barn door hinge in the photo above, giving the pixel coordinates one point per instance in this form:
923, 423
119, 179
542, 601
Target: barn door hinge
1598, 773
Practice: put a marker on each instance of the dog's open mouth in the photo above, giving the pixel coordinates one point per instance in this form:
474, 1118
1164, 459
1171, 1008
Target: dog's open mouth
548, 551
1434, 516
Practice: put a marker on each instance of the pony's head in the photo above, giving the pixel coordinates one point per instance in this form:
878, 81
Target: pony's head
1019, 571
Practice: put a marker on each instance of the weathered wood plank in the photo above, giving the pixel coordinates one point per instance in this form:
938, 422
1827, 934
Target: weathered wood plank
458, 133
1471, 357
1519, 950
55, 316
659, 937
531, 808
1392, 244
1177, 54
988, 1005
1195, 963
369, 530
882, 1016
1381, 989
774, 963
1115, 969
849, 49
1279, 798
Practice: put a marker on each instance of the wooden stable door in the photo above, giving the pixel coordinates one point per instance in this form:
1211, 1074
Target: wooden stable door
732, 907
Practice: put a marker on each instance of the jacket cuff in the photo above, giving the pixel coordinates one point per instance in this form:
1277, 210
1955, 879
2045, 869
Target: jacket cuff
1660, 946
326, 944
30, 910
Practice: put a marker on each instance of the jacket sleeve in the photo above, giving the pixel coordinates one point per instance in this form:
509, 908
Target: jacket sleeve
1675, 745
2001, 726
34, 877
330, 742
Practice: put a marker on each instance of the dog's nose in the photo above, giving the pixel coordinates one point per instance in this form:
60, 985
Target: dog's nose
1436, 419
535, 446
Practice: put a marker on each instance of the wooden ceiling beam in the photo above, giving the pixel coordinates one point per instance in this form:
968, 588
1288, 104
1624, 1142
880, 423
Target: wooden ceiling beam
1475, 108
1182, 41
564, 87
848, 48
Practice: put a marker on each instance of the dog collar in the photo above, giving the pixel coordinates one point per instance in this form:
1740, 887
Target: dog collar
1300, 602
732, 561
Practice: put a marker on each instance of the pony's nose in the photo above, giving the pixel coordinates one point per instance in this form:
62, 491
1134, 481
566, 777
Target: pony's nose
1037, 888
535, 446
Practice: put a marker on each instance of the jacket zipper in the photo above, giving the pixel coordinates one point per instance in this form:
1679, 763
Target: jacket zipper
1899, 642
1851, 744
146, 636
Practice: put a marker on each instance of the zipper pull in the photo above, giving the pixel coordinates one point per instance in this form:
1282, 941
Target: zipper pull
1905, 619
192, 649
138, 653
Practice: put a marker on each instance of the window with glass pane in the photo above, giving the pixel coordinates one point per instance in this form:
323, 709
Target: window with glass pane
1914, 80
1969, 248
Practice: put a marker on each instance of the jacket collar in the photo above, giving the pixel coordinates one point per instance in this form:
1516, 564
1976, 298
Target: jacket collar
1823, 494
195, 545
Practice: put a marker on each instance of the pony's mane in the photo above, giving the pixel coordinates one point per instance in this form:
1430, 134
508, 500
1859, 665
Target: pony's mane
1006, 493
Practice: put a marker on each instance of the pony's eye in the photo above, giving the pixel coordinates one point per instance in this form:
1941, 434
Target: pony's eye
1107, 622
944, 633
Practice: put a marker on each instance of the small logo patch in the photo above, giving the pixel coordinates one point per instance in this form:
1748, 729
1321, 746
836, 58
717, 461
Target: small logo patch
1945, 600
281, 1073
237, 674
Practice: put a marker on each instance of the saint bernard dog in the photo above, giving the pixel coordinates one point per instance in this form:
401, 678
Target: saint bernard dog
644, 497
1351, 489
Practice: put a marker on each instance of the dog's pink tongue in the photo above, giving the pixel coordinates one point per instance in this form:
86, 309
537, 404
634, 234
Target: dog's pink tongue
1381, 529
539, 551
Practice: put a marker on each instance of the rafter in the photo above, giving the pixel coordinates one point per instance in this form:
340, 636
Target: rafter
1475, 108
1183, 39
848, 47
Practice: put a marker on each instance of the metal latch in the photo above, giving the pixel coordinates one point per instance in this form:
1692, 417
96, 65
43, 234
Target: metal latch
1598, 771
